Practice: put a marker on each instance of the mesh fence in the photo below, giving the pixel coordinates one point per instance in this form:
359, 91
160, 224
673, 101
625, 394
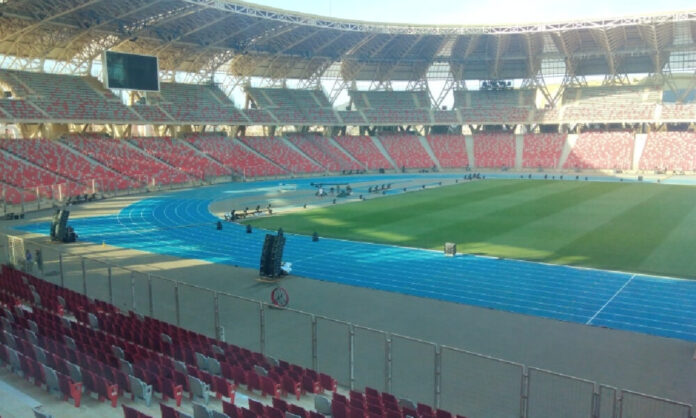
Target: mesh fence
240, 321
72, 272
4, 249
333, 349
413, 369
197, 307
163, 299
50, 264
121, 288
140, 293
289, 335
638, 405
97, 281
369, 354
607, 402
556, 395
477, 386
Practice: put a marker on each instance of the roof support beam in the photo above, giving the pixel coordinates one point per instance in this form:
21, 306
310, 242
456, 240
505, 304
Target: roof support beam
18, 35
600, 36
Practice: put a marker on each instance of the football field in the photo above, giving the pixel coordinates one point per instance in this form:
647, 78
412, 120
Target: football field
633, 227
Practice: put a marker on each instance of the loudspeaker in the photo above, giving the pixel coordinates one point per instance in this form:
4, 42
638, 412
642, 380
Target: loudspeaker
272, 255
264, 265
54, 224
59, 226
277, 255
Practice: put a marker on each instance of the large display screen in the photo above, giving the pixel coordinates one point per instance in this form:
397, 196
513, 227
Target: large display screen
130, 71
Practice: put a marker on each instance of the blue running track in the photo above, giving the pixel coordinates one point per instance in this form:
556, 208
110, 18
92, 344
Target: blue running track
180, 224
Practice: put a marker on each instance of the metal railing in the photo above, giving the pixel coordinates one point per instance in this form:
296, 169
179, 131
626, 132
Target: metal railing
453, 379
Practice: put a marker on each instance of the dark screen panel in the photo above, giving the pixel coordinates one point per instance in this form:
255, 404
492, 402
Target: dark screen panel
131, 72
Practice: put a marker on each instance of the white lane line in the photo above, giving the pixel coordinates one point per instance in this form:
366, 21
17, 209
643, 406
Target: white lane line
610, 299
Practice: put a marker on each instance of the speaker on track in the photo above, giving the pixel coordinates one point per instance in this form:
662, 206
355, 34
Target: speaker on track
59, 226
276, 256
54, 224
265, 263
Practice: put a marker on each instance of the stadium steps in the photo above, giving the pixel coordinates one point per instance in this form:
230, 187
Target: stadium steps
203, 154
638, 147
519, 150
344, 151
97, 86
384, 152
571, 140
16, 85
426, 146
29, 163
332, 152
297, 149
253, 151
657, 115
65, 143
128, 143
469, 143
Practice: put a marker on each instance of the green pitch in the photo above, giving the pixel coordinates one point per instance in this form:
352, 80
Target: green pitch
635, 227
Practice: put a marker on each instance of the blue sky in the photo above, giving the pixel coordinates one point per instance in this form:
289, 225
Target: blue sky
476, 11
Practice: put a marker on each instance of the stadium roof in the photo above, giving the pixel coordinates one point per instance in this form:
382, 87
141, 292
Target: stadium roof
202, 36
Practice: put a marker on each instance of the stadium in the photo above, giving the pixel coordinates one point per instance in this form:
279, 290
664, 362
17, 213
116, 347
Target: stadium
222, 209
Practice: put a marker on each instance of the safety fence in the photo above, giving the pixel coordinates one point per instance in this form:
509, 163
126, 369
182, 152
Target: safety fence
463, 382
17, 201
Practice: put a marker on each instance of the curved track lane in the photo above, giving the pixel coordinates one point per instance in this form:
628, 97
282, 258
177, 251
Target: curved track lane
180, 224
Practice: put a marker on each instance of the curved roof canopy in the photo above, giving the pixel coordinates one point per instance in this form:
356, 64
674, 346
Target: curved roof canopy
202, 36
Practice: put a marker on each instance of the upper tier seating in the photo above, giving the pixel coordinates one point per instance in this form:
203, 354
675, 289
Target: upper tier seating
610, 103
679, 112
151, 113
294, 105
55, 157
124, 158
393, 107
67, 97
181, 156
496, 106
449, 117
20, 109
232, 154
198, 103
542, 150
602, 150
397, 116
406, 151
669, 151
259, 116
275, 150
390, 99
494, 150
351, 117
363, 149
450, 150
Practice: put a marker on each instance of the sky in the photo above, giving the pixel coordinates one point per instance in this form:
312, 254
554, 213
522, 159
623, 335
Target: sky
476, 11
